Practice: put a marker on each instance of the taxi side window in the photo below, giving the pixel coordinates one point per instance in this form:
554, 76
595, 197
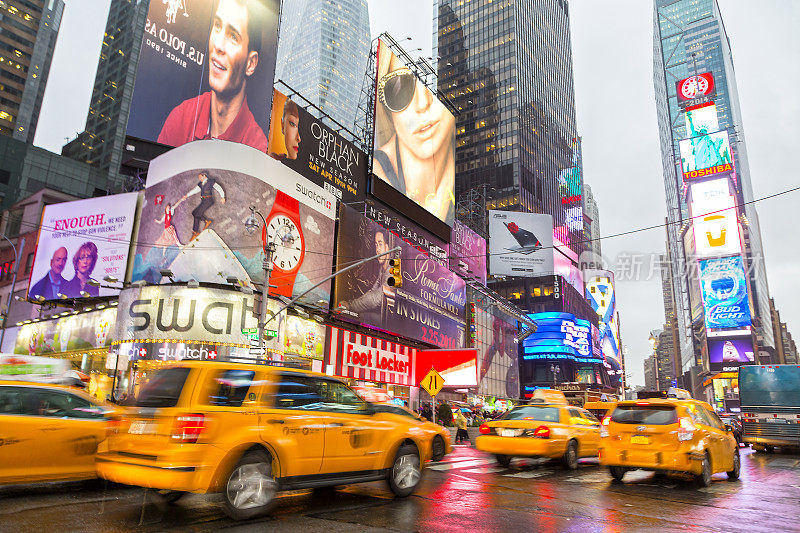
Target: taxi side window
590, 418
230, 387
296, 392
714, 420
575, 417
10, 401
341, 398
64, 405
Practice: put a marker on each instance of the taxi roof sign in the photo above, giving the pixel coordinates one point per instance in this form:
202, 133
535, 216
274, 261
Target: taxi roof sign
432, 382
551, 396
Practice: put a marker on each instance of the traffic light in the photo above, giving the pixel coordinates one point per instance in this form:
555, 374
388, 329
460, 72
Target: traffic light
395, 273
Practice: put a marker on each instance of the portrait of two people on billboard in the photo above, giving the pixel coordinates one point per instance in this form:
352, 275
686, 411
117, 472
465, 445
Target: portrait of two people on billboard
236, 76
53, 285
414, 138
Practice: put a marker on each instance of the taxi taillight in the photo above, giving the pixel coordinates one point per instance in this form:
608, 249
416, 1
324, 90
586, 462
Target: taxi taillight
114, 424
188, 428
484, 429
604, 426
685, 429
542, 432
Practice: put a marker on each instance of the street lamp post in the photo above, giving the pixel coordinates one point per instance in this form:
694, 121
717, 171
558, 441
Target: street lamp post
555, 370
251, 225
13, 284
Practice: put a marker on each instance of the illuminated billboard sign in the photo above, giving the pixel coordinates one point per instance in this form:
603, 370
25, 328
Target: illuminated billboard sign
701, 120
459, 368
558, 336
79, 244
358, 356
414, 234
206, 71
415, 138
84, 331
696, 90
703, 192
429, 304
520, 244
601, 295
723, 286
706, 156
716, 228
305, 144
467, 253
197, 199
727, 354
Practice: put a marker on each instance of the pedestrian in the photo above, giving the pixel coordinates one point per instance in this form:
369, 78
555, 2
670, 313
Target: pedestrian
427, 412
461, 428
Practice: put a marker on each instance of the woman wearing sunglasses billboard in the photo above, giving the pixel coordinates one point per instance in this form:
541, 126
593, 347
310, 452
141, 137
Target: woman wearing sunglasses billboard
414, 138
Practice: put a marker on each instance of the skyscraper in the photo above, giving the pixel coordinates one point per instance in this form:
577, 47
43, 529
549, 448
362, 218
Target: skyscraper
101, 142
323, 51
28, 32
591, 231
690, 40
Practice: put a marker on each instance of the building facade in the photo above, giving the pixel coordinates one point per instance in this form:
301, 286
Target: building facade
690, 39
591, 215
322, 53
28, 33
103, 139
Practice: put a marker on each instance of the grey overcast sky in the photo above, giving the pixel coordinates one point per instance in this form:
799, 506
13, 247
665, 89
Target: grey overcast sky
612, 42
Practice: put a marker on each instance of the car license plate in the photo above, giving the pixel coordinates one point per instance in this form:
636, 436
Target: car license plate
142, 427
510, 432
640, 439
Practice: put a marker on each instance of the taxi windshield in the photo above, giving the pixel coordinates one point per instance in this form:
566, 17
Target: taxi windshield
532, 412
654, 415
164, 389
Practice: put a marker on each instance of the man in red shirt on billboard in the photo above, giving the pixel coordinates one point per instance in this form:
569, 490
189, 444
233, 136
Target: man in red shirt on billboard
222, 112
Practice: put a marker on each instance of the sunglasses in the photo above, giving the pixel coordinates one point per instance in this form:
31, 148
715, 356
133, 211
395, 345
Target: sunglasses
396, 89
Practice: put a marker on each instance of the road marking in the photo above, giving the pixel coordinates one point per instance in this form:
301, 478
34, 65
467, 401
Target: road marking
486, 470
527, 475
454, 465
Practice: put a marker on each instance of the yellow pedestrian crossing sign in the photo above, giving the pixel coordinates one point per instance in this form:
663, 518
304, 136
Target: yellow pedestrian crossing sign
432, 382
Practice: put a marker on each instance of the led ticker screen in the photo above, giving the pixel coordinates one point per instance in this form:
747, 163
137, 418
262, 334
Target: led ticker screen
724, 289
559, 336
706, 156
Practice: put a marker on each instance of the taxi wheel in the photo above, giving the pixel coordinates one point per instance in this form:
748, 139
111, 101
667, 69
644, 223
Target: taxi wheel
737, 465
703, 479
570, 458
171, 496
438, 448
503, 460
405, 473
250, 487
617, 472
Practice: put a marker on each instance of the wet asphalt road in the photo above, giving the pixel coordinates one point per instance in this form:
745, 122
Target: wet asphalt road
465, 492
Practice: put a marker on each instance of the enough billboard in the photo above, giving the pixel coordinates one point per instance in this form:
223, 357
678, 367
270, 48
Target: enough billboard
723, 286
428, 306
79, 244
696, 90
716, 227
206, 70
706, 156
303, 143
520, 244
727, 354
197, 200
467, 252
415, 138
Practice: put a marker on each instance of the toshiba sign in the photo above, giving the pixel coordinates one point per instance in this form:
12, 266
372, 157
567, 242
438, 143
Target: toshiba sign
696, 90
716, 170
358, 356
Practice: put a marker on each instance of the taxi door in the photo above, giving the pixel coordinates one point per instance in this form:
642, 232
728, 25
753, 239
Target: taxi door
21, 452
722, 461
355, 439
580, 431
293, 422
592, 432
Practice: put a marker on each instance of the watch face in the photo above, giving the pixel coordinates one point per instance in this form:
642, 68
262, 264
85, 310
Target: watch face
288, 242
694, 86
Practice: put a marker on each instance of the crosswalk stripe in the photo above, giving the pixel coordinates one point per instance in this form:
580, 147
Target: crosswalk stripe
527, 475
460, 464
486, 470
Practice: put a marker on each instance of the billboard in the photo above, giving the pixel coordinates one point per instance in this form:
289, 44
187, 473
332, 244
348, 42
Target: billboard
559, 336
696, 90
303, 143
467, 252
79, 244
421, 239
197, 200
716, 228
358, 356
701, 120
428, 306
601, 295
727, 354
520, 244
205, 71
459, 368
304, 337
723, 286
84, 331
415, 138
702, 192
706, 156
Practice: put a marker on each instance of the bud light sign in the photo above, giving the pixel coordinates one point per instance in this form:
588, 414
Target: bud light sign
724, 289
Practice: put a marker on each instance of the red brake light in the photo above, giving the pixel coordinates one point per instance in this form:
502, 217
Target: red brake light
606, 420
484, 429
187, 428
543, 432
642, 403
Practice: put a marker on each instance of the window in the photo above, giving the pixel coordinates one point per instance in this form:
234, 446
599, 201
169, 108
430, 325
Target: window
303, 392
652, 415
29, 263
531, 412
164, 389
230, 387
59, 404
10, 401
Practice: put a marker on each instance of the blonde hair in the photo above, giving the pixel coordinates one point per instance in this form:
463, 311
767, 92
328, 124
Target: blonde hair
384, 125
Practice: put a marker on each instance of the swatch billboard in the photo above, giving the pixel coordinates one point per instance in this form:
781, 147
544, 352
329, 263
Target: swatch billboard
427, 307
205, 71
723, 286
729, 353
415, 138
79, 244
197, 200
467, 253
306, 145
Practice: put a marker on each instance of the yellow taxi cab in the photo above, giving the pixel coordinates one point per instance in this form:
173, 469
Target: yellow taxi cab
438, 437
249, 431
668, 435
599, 409
547, 427
50, 432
